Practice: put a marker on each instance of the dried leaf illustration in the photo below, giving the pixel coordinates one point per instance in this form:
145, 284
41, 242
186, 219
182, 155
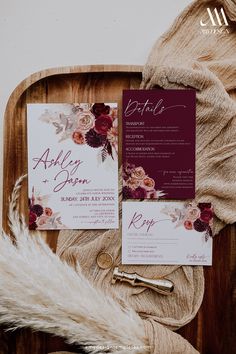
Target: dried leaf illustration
59, 130
104, 153
207, 236
109, 149
63, 118
57, 125
59, 220
65, 135
48, 116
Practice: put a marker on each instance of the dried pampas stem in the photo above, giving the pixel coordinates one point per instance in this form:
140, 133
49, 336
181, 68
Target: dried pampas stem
15, 220
38, 290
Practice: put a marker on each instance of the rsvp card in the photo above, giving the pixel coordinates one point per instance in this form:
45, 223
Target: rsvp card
167, 233
73, 166
159, 144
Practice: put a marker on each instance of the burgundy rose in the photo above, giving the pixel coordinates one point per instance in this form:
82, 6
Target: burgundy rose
33, 226
206, 215
37, 209
32, 217
100, 108
200, 225
94, 139
203, 206
127, 192
139, 193
152, 194
102, 124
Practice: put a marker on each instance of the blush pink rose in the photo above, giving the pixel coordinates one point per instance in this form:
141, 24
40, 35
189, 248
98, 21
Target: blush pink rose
193, 213
42, 220
132, 183
148, 183
138, 173
85, 121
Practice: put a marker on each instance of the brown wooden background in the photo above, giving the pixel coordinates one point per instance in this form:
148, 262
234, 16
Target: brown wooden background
213, 331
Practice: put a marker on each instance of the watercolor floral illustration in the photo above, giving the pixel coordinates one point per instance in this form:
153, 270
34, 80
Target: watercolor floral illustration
95, 125
41, 216
193, 216
137, 184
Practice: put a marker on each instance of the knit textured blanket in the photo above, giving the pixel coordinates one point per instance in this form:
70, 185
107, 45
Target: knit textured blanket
184, 57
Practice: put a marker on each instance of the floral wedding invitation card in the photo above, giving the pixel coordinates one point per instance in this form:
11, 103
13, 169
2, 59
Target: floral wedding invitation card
159, 144
167, 233
73, 166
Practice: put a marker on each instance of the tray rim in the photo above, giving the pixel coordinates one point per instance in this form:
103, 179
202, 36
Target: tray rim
77, 69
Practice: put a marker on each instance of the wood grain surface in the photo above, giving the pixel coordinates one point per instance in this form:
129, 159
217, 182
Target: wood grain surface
213, 331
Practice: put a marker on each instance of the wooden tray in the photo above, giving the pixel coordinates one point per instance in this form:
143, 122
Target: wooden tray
212, 329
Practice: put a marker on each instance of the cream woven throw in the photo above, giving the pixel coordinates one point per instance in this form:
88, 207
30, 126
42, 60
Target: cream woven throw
182, 57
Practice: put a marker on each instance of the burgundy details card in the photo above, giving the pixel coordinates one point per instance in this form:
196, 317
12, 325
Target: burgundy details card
159, 129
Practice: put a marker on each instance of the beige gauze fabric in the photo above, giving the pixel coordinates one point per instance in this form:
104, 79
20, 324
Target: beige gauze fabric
182, 57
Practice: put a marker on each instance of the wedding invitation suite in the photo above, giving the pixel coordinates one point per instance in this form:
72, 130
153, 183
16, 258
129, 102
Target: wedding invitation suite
167, 233
159, 129
73, 166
